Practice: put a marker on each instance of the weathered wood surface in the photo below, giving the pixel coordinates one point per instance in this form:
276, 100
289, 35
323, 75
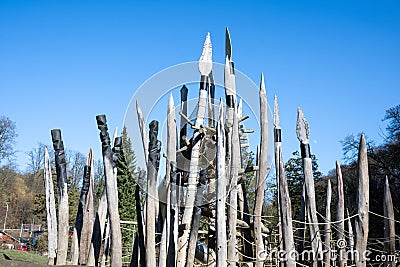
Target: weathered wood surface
303, 132
88, 211
50, 210
205, 66
173, 231
142, 128
261, 174
220, 222
284, 202
233, 187
361, 223
350, 241
196, 219
63, 208
111, 192
340, 216
277, 150
327, 241
152, 194
390, 232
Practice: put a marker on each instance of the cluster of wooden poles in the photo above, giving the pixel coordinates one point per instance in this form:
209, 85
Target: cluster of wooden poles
214, 196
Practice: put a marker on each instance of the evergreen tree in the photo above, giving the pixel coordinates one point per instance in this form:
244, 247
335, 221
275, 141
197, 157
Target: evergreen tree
126, 180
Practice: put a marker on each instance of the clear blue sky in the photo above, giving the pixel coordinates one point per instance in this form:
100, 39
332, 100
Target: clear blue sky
64, 62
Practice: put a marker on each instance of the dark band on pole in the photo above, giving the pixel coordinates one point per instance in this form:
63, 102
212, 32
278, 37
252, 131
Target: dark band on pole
229, 101
305, 150
203, 83
232, 67
278, 135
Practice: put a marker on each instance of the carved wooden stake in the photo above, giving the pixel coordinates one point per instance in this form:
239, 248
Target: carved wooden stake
220, 222
205, 66
142, 127
361, 225
390, 232
327, 248
63, 208
340, 216
173, 240
278, 149
151, 198
303, 132
351, 236
261, 174
196, 219
51, 210
285, 205
111, 192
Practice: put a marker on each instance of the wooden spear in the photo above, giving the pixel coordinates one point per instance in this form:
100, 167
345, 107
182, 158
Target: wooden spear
111, 192
390, 233
303, 133
196, 219
278, 149
51, 210
152, 195
63, 208
205, 66
340, 215
220, 222
285, 205
88, 212
261, 174
171, 156
327, 249
361, 224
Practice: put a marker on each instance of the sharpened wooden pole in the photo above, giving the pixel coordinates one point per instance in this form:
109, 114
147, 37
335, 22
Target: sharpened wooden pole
205, 67
261, 175
152, 195
390, 232
340, 216
361, 224
63, 208
284, 202
111, 192
220, 222
51, 210
327, 248
303, 132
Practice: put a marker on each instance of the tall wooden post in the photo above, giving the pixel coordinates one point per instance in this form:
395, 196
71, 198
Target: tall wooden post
303, 132
142, 127
220, 221
63, 208
278, 149
111, 192
173, 239
51, 210
390, 233
361, 225
340, 216
350, 237
285, 205
261, 174
152, 195
196, 219
205, 67
327, 248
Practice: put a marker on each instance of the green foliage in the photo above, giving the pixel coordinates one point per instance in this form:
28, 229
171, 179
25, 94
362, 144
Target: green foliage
295, 178
126, 180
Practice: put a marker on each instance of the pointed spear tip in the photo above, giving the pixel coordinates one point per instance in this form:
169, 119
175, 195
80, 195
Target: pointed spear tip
205, 62
276, 112
262, 83
228, 44
302, 127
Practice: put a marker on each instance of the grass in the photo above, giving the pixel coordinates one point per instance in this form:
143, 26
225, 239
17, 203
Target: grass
22, 256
